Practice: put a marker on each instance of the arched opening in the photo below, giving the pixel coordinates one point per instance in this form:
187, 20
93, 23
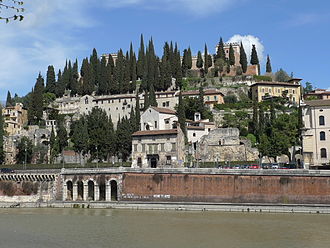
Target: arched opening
153, 162
80, 190
114, 190
322, 135
323, 153
321, 120
91, 190
102, 191
69, 190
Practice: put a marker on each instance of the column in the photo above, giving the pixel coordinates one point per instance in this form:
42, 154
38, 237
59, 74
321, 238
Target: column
107, 191
96, 192
75, 192
85, 191
65, 193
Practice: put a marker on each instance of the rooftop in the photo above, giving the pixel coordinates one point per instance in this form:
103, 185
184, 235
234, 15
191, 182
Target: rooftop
155, 132
317, 103
196, 92
276, 83
164, 110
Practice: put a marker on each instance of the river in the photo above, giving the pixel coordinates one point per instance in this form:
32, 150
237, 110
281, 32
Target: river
50, 228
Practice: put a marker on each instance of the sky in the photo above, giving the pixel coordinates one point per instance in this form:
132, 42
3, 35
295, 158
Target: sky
295, 33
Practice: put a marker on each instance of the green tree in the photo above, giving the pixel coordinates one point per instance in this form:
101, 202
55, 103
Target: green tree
80, 137
62, 137
152, 97
87, 86
230, 98
54, 149
231, 55
141, 59
282, 76
254, 56
137, 113
124, 138
51, 80
9, 101
243, 58
220, 51
308, 87
25, 151
206, 61
199, 62
268, 65
35, 108
181, 115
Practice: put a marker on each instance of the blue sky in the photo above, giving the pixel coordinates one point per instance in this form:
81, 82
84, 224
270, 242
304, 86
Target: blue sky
294, 32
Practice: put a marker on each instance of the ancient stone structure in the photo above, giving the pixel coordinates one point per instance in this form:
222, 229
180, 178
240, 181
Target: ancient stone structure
15, 117
224, 145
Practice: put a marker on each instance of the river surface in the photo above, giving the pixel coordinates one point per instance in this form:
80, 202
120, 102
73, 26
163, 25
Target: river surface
50, 228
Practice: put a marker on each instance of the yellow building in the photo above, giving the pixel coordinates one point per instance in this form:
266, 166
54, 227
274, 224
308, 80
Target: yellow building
211, 96
15, 117
263, 90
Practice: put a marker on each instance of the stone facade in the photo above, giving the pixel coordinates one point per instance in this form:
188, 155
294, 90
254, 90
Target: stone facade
316, 135
224, 145
15, 118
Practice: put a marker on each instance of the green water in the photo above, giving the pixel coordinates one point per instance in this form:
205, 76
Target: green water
50, 228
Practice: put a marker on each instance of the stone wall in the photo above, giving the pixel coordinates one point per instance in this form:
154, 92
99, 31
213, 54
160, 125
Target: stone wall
226, 188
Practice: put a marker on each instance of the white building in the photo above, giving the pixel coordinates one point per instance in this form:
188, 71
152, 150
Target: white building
316, 134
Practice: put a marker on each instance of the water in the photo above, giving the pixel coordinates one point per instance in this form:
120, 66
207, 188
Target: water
50, 228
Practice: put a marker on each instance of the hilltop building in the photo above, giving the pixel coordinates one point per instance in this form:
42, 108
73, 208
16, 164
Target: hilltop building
321, 94
266, 90
316, 134
15, 117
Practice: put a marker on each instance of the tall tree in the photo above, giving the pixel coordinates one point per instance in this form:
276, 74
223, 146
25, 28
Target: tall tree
231, 55
25, 151
124, 138
261, 127
141, 59
268, 65
220, 51
35, 108
152, 97
185, 62
137, 113
80, 137
9, 101
53, 146
199, 62
95, 66
189, 59
254, 56
51, 80
206, 59
62, 137
181, 115
103, 78
243, 58
87, 86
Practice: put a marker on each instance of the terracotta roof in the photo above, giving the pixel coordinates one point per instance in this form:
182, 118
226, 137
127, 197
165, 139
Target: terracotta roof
196, 92
155, 132
317, 103
276, 83
295, 79
317, 94
114, 97
164, 92
164, 110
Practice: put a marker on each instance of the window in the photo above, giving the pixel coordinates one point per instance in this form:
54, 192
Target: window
321, 120
194, 134
168, 159
155, 124
135, 148
167, 121
150, 149
173, 147
86, 100
322, 135
97, 102
119, 100
164, 104
293, 91
323, 153
139, 161
167, 104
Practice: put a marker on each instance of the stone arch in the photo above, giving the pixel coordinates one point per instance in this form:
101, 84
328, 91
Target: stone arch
91, 191
80, 190
114, 190
69, 190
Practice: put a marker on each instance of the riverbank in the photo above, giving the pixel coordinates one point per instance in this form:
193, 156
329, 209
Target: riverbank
221, 207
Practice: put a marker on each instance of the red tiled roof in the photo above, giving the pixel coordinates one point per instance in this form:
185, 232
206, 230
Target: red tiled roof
195, 128
155, 132
317, 103
164, 110
196, 92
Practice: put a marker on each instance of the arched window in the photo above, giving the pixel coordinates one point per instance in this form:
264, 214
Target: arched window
323, 153
322, 135
321, 120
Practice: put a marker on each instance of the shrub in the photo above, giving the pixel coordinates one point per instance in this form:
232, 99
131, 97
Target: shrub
262, 78
7, 188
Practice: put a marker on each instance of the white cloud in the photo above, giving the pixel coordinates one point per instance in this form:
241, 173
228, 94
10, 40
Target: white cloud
44, 37
248, 41
196, 7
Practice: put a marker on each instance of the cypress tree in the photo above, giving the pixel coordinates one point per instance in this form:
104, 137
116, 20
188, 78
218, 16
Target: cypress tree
221, 51
209, 60
178, 68
254, 124
137, 113
59, 90
254, 56
9, 101
2, 153
206, 59
182, 115
87, 87
152, 97
95, 65
189, 58
80, 138
199, 62
243, 58
231, 55
261, 127
146, 100
103, 79
74, 84
268, 65
52, 145
35, 109
185, 62
201, 105
51, 80
133, 68
141, 59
